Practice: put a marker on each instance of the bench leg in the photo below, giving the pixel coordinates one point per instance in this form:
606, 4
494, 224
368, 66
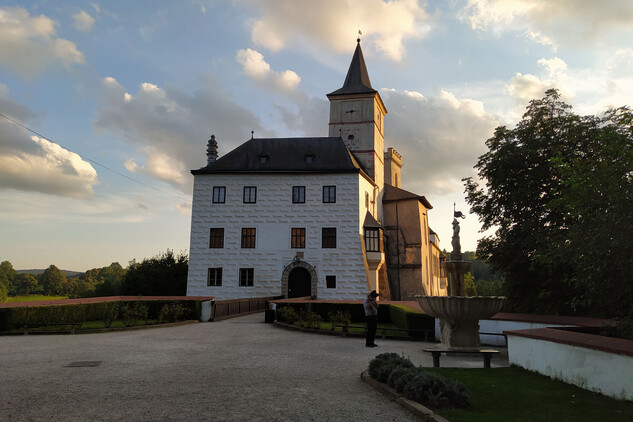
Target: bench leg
487, 357
436, 359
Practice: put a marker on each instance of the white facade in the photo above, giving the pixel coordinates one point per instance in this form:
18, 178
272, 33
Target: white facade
273, 216
351, 159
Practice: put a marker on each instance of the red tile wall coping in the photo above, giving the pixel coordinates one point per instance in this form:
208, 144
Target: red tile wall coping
97, 300
553, 319
590, 341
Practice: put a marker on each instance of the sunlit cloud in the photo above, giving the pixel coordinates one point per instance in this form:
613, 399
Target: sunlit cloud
385, 24
30, 44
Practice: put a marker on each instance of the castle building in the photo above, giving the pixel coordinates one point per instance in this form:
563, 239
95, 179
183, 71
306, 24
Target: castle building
320, 217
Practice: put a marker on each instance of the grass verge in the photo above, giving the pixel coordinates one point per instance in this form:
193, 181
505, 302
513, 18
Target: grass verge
514, 394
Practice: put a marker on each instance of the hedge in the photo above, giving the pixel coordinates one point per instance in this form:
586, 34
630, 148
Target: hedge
100, 311
402, 316
409, 318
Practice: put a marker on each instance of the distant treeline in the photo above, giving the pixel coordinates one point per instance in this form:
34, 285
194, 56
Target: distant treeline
163, 275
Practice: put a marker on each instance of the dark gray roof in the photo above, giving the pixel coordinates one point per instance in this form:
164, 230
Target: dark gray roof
370, 221
394, 194
357, 79
283, 155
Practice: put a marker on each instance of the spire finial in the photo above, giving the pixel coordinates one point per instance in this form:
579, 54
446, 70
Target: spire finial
359, 34
252, 134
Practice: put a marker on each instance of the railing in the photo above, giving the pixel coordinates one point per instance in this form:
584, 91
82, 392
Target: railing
223, 309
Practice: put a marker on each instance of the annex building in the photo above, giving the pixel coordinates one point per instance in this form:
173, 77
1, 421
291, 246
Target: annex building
323, 217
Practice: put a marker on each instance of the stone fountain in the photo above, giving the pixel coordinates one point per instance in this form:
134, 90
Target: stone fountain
459, 314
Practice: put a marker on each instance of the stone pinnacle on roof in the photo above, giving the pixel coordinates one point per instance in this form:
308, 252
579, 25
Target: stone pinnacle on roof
357, 79
212, 150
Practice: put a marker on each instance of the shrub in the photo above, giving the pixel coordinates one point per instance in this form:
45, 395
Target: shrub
436, 392
400, 377
287, 314
131, 313
382, 365
340, 317
171, 312
309, 319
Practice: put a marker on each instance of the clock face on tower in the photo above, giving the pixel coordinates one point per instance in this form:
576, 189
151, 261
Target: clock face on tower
352, 111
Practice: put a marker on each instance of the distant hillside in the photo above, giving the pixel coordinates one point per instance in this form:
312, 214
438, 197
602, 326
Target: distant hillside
38, 272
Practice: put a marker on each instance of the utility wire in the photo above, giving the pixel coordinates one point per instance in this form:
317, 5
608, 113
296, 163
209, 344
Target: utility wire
93, 161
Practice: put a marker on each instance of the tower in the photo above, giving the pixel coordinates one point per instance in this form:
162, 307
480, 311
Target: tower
357, 115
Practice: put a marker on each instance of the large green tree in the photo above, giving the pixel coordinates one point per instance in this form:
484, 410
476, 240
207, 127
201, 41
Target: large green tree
162, 275
53, 281
24, 284
549, 182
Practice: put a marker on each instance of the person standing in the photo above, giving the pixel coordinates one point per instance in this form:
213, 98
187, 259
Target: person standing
371, 316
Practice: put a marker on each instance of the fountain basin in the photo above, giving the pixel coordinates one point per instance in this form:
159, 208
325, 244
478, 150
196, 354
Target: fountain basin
459, 308
459, 316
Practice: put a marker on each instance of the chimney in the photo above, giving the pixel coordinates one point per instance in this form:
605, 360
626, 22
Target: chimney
212, 150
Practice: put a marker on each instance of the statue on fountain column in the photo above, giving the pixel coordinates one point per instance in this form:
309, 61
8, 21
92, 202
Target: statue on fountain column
456, 255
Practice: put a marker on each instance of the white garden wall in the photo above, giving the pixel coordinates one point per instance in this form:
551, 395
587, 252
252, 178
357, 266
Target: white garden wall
596, 370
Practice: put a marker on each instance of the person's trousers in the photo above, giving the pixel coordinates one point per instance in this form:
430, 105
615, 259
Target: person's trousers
372, 324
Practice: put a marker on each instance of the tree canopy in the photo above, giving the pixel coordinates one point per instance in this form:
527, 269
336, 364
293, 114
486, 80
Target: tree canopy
162, 275
558, 191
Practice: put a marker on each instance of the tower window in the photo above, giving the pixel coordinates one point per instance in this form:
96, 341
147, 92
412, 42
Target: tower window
372, 239
219, 193
246, 277
330, 282
328, 237
214, 277
216, 237
248, 238
298, 194
298, 238
250, 194
329, 194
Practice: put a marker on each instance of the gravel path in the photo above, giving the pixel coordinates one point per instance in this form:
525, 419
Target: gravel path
234, 370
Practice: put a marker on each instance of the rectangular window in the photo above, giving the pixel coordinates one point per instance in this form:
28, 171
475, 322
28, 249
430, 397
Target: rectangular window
372, 240
328, 237
298, 238
248, 238
330, 282
298, 194
214, 277
219, 193
246, 276
216, 237
250, 194
329, 194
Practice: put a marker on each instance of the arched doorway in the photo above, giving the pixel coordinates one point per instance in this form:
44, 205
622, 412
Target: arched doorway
299, 283
302, 284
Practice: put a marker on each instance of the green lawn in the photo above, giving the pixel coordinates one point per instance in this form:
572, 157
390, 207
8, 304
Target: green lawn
31, 298
514, 394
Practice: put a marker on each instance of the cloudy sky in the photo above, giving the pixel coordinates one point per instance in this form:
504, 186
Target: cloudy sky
122, 96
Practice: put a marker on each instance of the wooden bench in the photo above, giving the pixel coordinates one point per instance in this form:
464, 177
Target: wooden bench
437, 352
26, 326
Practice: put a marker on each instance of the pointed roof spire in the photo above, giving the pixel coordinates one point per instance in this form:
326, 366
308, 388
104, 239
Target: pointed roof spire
357, 79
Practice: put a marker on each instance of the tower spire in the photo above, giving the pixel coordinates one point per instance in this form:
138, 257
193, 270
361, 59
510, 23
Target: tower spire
357, 79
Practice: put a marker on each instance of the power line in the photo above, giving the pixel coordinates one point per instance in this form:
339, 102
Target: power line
93, 161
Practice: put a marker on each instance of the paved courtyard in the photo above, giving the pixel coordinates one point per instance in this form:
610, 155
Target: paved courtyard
234, 370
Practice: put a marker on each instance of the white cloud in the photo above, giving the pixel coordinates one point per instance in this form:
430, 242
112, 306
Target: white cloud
31, 163
255, 66
30, 44
440, 138
385, 24
83, 21
551, 22
170, 128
